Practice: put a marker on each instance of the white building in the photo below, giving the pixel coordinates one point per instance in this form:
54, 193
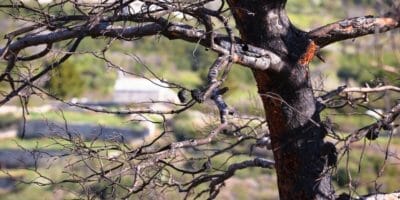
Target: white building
129, 89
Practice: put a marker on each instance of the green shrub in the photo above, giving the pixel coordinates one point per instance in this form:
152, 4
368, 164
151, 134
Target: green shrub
66, 81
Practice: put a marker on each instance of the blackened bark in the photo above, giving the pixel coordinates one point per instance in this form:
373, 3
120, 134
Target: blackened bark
297, 137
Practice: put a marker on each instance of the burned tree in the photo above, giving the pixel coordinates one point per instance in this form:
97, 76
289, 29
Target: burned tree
277, 52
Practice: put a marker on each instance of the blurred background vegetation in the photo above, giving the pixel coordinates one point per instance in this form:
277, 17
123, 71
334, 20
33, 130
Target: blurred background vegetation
371, 60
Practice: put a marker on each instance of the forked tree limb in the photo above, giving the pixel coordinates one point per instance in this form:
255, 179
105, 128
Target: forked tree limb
251, 56
300, 164
372, 131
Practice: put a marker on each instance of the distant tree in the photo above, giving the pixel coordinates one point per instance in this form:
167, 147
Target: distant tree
76, 76
277, 52
66, 81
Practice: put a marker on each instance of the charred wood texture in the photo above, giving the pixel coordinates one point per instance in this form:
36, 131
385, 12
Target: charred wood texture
276, 51
294, 123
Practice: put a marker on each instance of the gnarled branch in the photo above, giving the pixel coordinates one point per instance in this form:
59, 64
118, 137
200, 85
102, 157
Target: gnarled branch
353, 28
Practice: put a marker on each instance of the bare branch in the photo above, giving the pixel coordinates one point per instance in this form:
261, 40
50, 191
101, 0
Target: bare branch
353, 28
371, 90
344, 93
250, 56
372, 131
49, 67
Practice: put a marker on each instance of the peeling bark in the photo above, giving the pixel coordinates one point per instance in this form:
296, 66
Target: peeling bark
353, 27
276, 51
293, 120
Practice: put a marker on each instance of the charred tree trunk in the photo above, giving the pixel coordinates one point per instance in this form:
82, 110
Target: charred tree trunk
290, 106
